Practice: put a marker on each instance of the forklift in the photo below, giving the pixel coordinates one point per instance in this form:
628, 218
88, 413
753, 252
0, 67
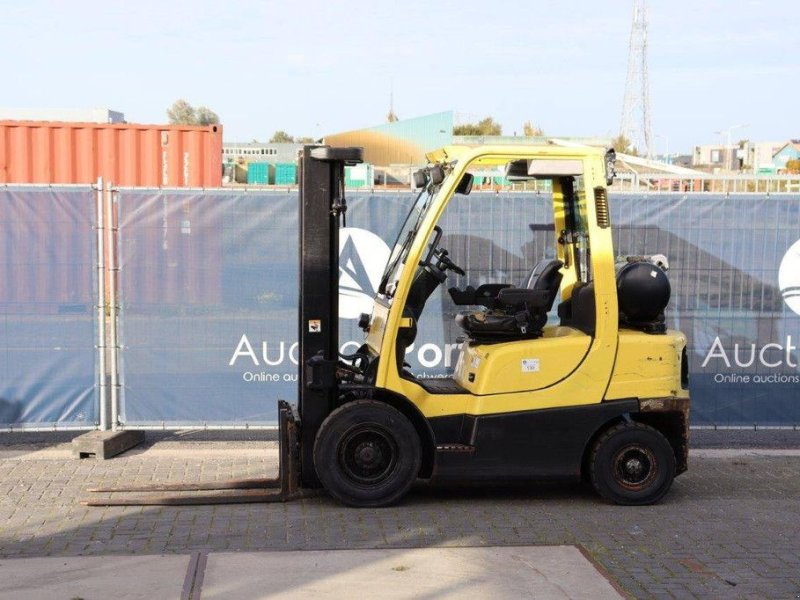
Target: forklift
595, 388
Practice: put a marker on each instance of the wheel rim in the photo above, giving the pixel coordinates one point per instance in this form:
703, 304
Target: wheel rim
367, 454
635, 467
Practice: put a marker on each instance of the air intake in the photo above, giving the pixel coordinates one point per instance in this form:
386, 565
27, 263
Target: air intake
601, 207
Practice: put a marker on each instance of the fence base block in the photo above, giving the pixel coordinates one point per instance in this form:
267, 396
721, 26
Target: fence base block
105, 444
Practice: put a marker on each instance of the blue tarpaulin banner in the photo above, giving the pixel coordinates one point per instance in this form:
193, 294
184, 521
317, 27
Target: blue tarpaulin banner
48, 263
208, 292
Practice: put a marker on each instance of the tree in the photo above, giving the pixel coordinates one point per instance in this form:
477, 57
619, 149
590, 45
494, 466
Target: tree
487, 126
281, 137
623, 145
305, 140
391, 117
183, 113
530, 130
206, 116
793, 166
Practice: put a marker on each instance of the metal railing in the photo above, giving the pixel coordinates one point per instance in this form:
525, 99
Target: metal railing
623, 182
710, 183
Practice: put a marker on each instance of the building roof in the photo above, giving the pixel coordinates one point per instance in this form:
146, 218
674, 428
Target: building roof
791, 143
261, 145
68, 115
400, 142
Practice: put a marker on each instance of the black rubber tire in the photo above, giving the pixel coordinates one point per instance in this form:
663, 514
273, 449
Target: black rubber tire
633, 464
367, 454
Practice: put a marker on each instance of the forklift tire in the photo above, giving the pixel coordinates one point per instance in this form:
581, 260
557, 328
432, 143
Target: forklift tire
632, 464
367, 454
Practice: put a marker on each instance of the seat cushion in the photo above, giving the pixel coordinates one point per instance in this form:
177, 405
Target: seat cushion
491, 326
519, 313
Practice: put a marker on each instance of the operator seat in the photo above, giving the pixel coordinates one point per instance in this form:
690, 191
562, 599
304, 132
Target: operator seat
517, 313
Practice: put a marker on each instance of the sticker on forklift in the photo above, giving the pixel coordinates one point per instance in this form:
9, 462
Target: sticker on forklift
314, 326
476, 362
530, 365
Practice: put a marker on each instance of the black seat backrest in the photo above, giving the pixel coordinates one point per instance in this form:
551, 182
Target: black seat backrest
546, 276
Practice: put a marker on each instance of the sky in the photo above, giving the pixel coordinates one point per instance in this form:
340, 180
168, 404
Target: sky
312, 67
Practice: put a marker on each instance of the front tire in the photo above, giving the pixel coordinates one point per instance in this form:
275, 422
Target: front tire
367, 454
632, 464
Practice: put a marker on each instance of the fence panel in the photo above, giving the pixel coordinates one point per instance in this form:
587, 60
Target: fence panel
208, 288
726, 253
48, 262
208, 303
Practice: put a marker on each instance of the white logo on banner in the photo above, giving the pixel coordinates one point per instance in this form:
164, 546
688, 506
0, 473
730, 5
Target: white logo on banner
362, 259
789, 277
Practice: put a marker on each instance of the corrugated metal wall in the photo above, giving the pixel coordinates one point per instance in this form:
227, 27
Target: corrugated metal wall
125, 154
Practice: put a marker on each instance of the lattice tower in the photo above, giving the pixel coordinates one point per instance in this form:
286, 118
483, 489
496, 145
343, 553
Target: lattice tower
635, 125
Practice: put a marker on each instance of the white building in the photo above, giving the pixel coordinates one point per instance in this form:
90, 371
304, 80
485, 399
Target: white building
759, 155
260, 152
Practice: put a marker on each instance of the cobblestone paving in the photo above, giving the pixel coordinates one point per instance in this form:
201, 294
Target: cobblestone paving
730, 527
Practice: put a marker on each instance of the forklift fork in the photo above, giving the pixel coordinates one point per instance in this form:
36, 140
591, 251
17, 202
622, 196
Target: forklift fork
283, 488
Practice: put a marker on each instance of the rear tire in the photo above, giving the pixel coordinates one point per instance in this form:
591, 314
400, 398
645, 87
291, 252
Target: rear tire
367, 454
632, 464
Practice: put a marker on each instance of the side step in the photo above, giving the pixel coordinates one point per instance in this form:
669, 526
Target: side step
237, 491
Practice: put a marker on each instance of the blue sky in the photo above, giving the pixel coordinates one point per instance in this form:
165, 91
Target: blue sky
312, 68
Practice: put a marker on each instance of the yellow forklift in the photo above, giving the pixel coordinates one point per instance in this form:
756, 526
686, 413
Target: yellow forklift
594, 387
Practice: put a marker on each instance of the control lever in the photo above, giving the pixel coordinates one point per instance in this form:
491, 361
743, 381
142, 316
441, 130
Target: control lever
445, 261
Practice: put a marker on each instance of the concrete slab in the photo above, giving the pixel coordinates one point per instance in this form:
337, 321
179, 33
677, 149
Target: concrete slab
105, 444
542, 572
90, 577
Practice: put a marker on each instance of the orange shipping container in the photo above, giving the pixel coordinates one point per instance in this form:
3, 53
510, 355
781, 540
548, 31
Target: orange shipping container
124, 154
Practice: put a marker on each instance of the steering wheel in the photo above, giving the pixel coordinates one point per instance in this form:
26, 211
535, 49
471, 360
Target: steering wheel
445, 262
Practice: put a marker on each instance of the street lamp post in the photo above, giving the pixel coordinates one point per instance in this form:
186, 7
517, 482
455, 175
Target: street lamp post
727, 154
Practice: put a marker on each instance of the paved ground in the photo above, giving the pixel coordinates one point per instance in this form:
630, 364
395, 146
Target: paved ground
730, 528
541, 572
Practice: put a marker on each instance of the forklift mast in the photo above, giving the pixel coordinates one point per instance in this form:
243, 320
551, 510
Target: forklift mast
323, 210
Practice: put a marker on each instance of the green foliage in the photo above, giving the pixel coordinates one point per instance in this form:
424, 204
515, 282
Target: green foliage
487, 126
531, 130
206, 116
183, 113
623, 145
305, 140
281, 137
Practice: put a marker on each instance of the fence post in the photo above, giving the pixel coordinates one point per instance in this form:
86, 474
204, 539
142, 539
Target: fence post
101, 308
113, 248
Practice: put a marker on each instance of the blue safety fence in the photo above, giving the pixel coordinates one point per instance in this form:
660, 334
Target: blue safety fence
208, 293
730, 258
48, 295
